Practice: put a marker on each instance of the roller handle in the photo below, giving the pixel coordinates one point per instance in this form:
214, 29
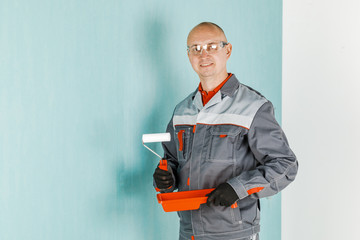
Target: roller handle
163, 165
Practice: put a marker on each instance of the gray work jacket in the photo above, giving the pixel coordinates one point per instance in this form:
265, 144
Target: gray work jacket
234, 138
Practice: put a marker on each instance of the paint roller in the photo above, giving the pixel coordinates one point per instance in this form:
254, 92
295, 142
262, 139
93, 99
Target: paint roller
153, 138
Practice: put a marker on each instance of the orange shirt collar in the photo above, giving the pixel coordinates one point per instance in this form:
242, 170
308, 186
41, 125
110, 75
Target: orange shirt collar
206, 96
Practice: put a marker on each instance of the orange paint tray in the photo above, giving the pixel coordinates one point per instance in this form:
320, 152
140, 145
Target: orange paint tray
182, 201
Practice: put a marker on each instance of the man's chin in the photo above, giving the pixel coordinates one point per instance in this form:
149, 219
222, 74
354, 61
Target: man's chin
206, 74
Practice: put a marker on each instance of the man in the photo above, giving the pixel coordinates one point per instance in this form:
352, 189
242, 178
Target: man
224, 136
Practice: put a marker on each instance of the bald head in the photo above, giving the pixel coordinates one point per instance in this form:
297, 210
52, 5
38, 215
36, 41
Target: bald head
209, 65
207, 26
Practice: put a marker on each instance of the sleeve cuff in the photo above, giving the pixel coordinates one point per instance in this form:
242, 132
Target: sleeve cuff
238, 187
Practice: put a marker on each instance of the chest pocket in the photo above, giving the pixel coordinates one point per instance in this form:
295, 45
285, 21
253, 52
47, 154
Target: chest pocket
184, 136
223, 139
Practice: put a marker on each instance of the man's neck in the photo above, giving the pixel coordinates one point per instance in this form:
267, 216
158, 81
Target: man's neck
210, 83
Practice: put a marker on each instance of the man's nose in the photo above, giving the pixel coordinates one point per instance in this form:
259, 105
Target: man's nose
203, 51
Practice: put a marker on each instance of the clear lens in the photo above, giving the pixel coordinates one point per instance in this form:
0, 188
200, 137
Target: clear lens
210, 48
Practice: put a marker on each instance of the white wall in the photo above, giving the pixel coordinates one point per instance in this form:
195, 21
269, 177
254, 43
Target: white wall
321, 117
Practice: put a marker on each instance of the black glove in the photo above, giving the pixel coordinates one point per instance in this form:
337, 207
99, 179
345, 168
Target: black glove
223, 195
163, 179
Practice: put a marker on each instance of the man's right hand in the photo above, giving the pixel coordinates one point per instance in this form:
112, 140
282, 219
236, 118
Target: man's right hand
163, 179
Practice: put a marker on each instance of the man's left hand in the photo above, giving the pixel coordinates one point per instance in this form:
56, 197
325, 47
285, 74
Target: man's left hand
223, 195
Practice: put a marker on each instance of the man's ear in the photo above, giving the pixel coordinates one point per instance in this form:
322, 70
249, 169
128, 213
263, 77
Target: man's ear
228, 50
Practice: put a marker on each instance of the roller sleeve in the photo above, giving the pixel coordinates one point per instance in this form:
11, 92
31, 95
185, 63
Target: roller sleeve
156, 137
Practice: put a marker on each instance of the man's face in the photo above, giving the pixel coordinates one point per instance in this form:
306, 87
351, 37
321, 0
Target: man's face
209, 65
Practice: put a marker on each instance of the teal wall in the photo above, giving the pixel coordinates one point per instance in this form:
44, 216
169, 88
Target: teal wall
81, 81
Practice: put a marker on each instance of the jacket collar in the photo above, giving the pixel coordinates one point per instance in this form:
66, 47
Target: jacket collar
197, 99
228, 89
230, 86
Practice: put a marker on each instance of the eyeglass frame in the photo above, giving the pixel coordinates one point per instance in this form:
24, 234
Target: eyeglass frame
222, 45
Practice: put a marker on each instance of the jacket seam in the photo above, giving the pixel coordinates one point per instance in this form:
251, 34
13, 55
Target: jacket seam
276, 180
284, 174
252, 229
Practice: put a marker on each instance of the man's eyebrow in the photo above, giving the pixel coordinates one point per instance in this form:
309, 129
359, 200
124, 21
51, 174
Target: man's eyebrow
202, 43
